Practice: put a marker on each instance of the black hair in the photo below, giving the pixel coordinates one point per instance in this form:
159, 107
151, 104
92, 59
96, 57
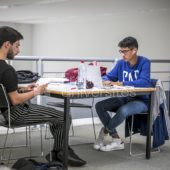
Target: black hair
129, 42
9, 34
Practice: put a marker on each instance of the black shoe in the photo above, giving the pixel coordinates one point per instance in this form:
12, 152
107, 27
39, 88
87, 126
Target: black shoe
71, 152
54, 156
73, 159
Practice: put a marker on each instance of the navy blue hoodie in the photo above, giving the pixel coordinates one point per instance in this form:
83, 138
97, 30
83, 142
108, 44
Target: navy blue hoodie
137, 75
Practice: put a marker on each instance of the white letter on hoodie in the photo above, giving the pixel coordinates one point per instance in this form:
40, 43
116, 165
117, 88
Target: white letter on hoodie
125, 75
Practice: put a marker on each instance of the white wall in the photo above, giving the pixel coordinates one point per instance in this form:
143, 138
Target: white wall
98, 37
26, 44
27, 31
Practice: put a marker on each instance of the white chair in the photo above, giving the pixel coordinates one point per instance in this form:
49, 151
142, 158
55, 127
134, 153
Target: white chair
130, 128
5, 105
159, 94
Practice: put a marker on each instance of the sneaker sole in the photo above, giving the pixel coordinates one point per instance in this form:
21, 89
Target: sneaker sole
113, 149
96, 148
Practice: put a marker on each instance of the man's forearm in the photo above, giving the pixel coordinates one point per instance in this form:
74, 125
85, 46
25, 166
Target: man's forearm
19, 98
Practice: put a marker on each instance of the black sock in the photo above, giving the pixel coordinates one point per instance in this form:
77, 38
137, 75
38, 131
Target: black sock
105, 131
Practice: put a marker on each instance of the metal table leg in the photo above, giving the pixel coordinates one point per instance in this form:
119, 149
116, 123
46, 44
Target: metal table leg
65, 132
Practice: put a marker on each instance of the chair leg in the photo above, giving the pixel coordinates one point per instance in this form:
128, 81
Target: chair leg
94, 130
72, 128
49, 138
50, 149
10, 153
26, 133
130, 147
42, 153
12, 146
30, 149
131, 130
3, 149
46, 131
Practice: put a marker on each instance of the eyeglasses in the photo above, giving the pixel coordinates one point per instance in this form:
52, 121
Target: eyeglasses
124, 51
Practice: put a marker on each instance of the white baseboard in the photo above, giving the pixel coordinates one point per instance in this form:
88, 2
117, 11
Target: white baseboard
85, 121
76, 122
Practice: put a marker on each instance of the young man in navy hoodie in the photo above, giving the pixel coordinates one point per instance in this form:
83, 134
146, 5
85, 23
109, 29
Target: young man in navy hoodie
132, 70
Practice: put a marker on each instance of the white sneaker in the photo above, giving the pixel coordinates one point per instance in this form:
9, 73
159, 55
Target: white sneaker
116, 144
100, 140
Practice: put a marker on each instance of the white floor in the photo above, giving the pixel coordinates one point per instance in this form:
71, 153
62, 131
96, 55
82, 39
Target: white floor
82, 143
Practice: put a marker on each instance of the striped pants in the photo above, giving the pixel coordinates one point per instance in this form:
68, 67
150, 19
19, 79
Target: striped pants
33, 113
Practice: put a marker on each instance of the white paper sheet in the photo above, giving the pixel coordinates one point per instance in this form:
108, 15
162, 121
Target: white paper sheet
51, 80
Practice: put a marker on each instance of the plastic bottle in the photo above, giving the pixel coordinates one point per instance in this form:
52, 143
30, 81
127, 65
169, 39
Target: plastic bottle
81, 81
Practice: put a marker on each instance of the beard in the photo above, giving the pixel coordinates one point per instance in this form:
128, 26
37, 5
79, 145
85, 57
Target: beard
10, 55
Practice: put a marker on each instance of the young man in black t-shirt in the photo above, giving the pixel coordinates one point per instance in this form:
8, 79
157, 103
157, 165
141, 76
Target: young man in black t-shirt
21, 112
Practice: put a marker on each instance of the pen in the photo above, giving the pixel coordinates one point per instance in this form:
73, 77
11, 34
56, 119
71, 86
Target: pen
73, 88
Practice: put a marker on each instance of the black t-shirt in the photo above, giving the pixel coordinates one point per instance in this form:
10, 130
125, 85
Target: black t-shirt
8, 77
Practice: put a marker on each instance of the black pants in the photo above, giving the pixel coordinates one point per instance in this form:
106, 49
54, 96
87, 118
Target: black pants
33, 113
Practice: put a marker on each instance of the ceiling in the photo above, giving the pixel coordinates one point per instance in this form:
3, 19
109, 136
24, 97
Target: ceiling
43, 11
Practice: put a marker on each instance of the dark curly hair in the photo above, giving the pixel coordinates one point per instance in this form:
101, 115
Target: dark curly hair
129, 42
9, 34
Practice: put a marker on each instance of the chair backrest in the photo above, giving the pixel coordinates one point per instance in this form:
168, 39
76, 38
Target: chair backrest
4, 103
153, 82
